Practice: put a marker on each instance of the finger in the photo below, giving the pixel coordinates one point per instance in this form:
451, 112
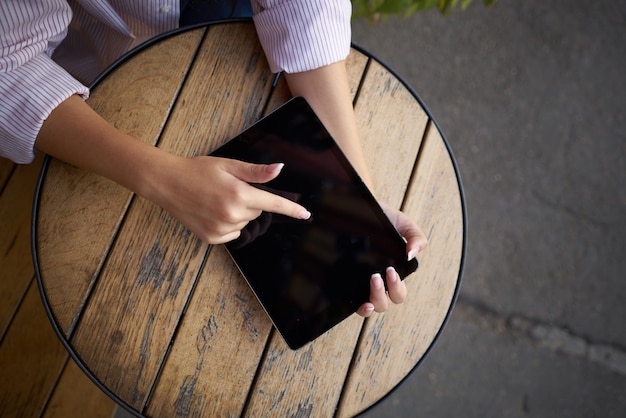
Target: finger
221, 232
395, 287
269, 202
253, 173
260, 199
230, 237
220, 239
378, 296
365, 310
416, 240
235, 216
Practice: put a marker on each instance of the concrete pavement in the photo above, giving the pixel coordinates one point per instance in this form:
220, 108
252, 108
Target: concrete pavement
531, 96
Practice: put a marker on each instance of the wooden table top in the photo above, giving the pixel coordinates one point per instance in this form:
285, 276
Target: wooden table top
164, 323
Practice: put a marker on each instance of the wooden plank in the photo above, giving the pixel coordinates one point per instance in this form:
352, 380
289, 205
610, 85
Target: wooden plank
306, 382
31, 359
356, 62
217, 348
75, 396
136, 305
16, 263
80, 211
225, 93
6, 168
392, 124
393, 343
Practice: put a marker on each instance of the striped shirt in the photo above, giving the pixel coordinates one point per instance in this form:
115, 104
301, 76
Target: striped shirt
49, 49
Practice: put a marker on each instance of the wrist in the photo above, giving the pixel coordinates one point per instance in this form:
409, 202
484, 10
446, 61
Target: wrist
148, 172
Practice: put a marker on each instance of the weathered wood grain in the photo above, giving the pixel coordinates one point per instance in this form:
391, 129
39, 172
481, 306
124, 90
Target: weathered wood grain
217, 348
393, 343
31, 359
77, 396
225, 92
79, 211
391, 124
6, 168
308, 381
356, 63
16, 265
136, 304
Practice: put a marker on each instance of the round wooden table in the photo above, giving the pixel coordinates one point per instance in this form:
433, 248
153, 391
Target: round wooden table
164, 323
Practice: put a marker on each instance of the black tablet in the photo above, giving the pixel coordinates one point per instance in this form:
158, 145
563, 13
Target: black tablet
310, 275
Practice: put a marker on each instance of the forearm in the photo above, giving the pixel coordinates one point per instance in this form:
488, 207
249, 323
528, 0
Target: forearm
327, 90
76, 134
308, 40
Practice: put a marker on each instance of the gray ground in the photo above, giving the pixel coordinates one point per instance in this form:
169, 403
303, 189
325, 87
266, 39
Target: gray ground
531, 96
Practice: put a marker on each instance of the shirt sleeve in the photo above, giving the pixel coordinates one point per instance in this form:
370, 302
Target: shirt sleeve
31, 83
301, 35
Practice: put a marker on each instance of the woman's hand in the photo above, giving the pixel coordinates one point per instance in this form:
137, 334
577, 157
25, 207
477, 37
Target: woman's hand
213, 198
396, 289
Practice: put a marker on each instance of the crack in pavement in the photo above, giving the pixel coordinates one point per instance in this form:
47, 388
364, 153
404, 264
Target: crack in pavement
550, 336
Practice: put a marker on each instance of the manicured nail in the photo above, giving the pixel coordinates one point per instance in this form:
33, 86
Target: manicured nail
305, 214
377, 281
394, 276
369, 309
412, 253
277, 167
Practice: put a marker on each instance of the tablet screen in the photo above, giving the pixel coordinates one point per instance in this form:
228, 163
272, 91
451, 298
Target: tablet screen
310, 275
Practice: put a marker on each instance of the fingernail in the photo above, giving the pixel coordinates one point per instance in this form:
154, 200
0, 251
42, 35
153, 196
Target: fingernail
305, 214
277, 168
369, 309
394, 276
411, 254
377, 281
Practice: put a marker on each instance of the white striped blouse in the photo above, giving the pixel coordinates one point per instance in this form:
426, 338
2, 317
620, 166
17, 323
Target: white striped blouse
43, 57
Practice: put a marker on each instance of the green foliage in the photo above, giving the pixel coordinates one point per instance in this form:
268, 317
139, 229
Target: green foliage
374, 10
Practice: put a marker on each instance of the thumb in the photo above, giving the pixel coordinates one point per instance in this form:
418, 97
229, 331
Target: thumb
416, 240
254, 173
